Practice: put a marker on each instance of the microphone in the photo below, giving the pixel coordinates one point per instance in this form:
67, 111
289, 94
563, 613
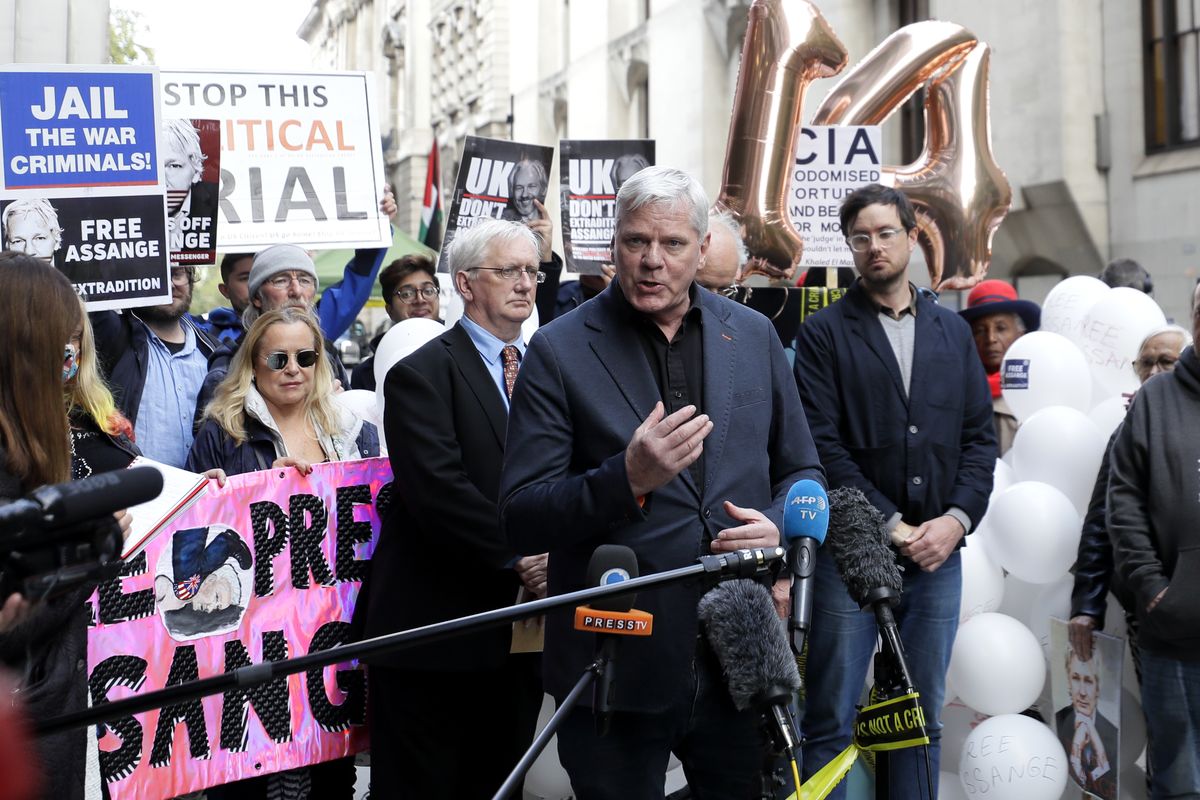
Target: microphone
749, 640
805, 521
84, 500
609, 618
745, 563
858, 537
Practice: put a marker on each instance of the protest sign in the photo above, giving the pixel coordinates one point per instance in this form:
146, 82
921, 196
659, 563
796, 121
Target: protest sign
191, 165
300, 155
81, 182
592, 173
267, 568
831, 162
497, 179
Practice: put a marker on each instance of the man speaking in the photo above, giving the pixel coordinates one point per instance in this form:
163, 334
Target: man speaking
661, 417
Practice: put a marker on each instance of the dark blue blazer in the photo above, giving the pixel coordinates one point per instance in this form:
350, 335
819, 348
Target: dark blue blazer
584, 387
918, 454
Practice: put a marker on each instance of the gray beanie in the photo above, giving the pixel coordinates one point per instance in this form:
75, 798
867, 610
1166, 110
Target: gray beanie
279, 258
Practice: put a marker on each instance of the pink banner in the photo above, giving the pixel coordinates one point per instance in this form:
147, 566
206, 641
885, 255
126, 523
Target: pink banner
265, 569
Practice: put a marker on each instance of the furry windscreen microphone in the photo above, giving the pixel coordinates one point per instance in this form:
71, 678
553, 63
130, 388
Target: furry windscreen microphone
750, 641
858, 537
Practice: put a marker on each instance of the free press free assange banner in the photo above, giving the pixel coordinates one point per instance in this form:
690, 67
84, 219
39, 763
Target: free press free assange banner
77, 127
300, 155
113, 249
267, 568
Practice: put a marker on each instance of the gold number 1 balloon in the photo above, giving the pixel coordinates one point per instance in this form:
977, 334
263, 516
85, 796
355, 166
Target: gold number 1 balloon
788, 45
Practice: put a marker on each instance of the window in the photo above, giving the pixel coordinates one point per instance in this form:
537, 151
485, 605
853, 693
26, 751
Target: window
1171, 73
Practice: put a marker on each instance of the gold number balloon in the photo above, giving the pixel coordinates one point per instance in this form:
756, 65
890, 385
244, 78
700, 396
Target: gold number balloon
961, 195
788, 45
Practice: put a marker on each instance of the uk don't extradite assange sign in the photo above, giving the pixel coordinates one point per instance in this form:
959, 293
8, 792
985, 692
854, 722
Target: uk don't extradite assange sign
265, 569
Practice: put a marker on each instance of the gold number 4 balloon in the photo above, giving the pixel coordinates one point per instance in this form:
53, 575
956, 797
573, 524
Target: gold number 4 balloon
960, 194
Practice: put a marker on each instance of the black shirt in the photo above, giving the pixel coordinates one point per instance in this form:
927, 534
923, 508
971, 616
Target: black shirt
677, 365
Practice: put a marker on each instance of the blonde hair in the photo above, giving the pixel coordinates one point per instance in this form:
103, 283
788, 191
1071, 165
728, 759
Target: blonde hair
88, 392
228, 406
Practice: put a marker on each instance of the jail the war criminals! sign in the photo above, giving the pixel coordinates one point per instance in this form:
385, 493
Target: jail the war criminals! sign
267, 568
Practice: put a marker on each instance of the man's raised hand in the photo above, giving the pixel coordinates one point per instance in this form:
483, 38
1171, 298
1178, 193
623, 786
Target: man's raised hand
662, 447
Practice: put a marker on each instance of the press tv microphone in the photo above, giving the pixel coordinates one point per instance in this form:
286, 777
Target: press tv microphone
83, 500
749, 640
609, 618
858, 537
805, 521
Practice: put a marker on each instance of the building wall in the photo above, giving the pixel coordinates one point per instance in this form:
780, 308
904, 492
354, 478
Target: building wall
1065, 90
54, 31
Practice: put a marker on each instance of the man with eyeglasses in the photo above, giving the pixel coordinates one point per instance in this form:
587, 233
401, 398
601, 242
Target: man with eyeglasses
659, 416
156, 360
899, 407
445, 418
410, 291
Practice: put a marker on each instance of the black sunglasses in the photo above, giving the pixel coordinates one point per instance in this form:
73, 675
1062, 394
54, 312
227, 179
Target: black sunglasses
304, 358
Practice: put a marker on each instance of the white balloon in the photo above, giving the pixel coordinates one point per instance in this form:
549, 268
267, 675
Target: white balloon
1013, 757
1019, 597
402, 340
1108, 414
360, 403
982, 580
546, 779
1064, 309
958, 720
1043, 369
1061, 447
1033, 532
996, 665
1003, 476
1112, 332
1052, 600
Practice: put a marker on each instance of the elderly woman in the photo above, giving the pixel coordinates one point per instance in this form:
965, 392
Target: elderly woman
998, 318
1094, 563
275, 406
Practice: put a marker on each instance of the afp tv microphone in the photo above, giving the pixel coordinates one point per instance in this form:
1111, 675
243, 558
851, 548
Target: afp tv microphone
805, 522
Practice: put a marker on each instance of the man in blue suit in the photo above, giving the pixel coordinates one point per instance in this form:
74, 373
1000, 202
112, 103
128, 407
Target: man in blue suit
662, 417
899, 407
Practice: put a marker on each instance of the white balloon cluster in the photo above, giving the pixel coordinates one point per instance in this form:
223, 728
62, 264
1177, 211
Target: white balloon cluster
1065, 384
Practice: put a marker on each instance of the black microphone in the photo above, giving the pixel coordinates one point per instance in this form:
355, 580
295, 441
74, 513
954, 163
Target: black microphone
84, 500
610, 563
858, 537
749, 640
805, 522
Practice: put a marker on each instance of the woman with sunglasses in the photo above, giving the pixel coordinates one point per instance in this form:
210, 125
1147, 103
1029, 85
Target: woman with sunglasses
275, 406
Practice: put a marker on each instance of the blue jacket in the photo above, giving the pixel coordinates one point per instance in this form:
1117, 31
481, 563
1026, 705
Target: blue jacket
337, 307
584, 387
919, 454
123, 347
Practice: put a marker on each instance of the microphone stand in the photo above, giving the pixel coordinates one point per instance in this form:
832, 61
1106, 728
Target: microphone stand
741, 564
891, 670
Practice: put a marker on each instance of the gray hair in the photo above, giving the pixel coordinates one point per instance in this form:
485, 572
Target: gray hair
38, 208
664, 186
1161, 329
470, 247
186, 139
539, 172
724, 219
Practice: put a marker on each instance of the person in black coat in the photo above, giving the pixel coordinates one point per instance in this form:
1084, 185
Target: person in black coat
445, 418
